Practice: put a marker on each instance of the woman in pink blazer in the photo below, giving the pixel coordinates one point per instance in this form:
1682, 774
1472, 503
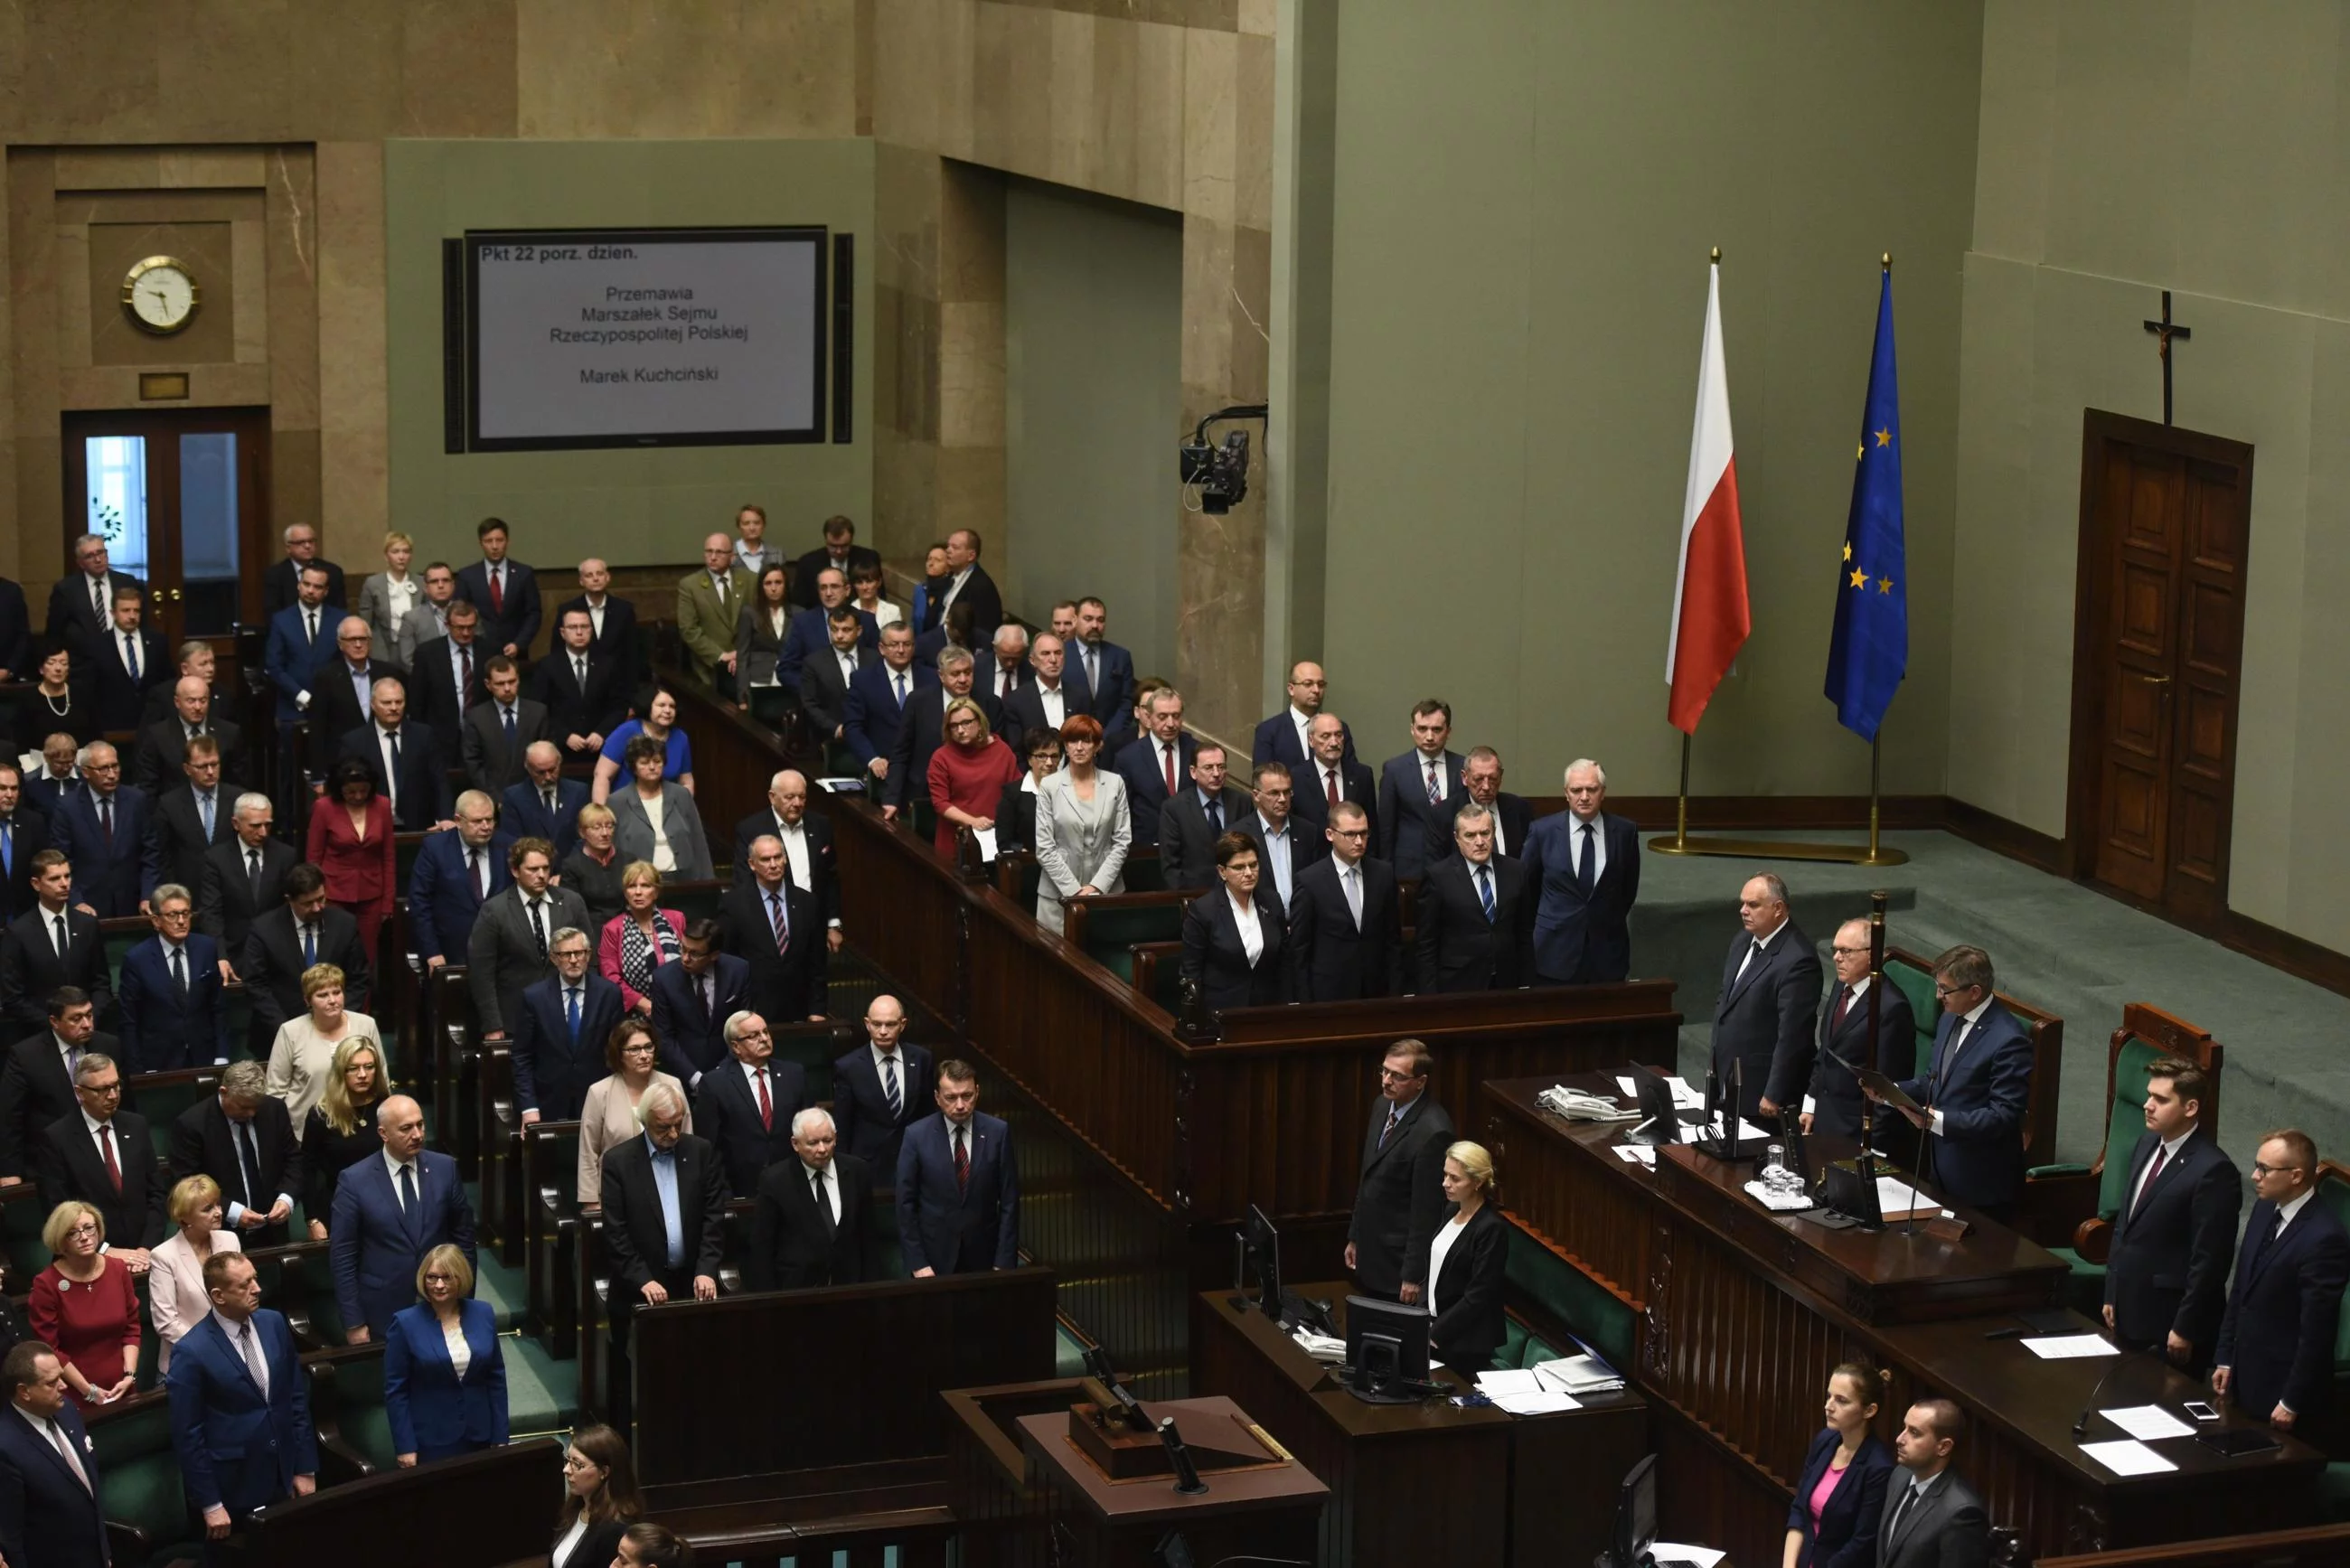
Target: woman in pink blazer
640, 939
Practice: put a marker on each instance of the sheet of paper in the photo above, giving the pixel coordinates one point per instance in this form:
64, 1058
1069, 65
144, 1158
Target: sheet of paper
986, 837
1508, 1380
841, 785
2148, 1422
1747, 1131
2070, 1346
1702, 1556
1896, 1195
1542, 1403
1624, 1084
1637, 1154
2127, 1456
1684, 1098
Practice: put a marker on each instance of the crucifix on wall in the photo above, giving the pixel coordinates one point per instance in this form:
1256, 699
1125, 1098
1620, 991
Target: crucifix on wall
2164, 331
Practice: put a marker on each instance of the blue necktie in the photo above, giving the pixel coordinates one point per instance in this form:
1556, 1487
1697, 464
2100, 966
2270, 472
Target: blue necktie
204, 805
309, 947
898, 681
1485, 890
571, 1010
130, 655
510, 731
7, 848
408, 1190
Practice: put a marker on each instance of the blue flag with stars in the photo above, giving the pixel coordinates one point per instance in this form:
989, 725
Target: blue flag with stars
1870, 651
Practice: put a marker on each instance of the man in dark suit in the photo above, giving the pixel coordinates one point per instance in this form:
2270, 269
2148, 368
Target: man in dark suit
1284, 846
825, 677
52, 1499
243, 877
104, 1156
968, 583
1585, 867
456, 873
342, 689
1155, 766
243, 1138
447, 676
303, 931
81, 604
808, 1226
1001, 669
36, 960
173, 1014
278, 585
23, 834
509, 947
194, 660
770, 923
1762, 1018
545, 804
808, 847
106, 829
36, 1086
390, 1209
1399, 1199
958, 1190
559, 1032
505, 591
191, 816
1480, 781
15, 632
1345, 925
877, 700
921, 730
1975, 1091
1833, 1103
405, 760
614, 621
2174, 1234
745, 1108
580, 685
1475, 916
1932, 1518
877, 1089
1330, 772
240, 1408
1414, 789
427, 620
692, 1000
1047, 698
1103, 672
498, 731
301, 638
808, 635
132, 664
163, 746
2274, 1360
655, 1251
840, 553
1195, 818
1282, 736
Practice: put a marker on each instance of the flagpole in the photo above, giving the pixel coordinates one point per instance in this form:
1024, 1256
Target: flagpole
1680, 828
1873, 811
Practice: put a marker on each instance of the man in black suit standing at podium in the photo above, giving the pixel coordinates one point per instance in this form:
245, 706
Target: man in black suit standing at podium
1399, 1201
1769, 984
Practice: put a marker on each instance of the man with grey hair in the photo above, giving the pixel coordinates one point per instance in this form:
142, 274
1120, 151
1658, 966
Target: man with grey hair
1155, 764
1004, 669
1763, 1015
1586, 869
173, 1015
243, 878
921, 730
1476, 913
105, 828
278, 585
1833, 1103
744, 1107
809, 1225
244, 1139
104, 1156
664, 1199
81, 604
342, 689
560, 1030
1975, 1088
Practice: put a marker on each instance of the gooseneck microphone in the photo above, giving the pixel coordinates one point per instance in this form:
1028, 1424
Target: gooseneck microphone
2081, 1426
1187, 1474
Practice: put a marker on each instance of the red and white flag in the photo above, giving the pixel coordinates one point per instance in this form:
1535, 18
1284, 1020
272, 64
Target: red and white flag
1711, 620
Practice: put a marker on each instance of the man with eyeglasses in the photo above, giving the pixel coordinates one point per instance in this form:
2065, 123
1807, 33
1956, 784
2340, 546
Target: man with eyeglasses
36, 1086
456, 873
2274, 1360
342, 691
1344, 929
105, 828
243, 877
1399, 1199
1974, 1090
744, 1107
559, 1032
1831, 1103
175, 1015
104, 1156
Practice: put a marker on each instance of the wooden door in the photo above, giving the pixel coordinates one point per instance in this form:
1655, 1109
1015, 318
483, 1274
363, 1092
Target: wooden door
181, 496
2157, 653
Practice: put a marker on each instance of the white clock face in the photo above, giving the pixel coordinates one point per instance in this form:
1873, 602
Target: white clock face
162, 297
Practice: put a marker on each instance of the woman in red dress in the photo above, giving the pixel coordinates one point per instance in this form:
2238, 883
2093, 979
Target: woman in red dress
84, 1305
350, 841
968, 773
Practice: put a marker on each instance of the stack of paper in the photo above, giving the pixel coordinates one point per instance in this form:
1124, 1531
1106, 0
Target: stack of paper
1897, 1199
2068, 1347
1320, 1347
1584, 1375
1521, 1393
2127, 1456
1637, 1154
2148, 1422
1696, 1556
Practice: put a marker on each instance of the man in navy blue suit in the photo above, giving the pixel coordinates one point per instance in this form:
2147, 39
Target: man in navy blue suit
808, 635
390, 1210
692, 1000
240, 1409
545, 804
1330, 772
1104, 671
558, 1039
173, 1014
877, 698
877, 1089
958, 1192
580, 685
612, 620
1281, 738
81, 603
505, 592
1155, 766
418, 787
456, 872
744, 1107
52, 1499
1586, 866
1975, 1089
103, 828
1413, 789
2275, 1356
301, 635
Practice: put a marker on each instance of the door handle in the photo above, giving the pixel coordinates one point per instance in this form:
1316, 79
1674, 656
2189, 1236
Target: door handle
2149, 680
175, 599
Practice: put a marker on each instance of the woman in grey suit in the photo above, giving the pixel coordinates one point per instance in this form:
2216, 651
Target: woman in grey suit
655, 821
1082, 831
386, 597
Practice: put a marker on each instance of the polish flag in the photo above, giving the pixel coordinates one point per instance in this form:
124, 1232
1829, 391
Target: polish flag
1711, 620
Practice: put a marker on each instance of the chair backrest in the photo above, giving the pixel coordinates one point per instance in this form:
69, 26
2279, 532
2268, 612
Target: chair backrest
1158, 973
1016, 876
22, 1215
2333, 1191
1145, 872
132, 1444
695, 900
160, 1097
2147, 1034
1106, 927
1913, 973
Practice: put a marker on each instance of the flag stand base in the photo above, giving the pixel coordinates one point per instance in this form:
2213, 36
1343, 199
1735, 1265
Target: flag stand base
1872, 853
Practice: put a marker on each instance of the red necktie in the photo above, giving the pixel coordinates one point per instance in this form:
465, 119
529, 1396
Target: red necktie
1166, 751
2161, 1153
962, 1163
1330, 779
498, 592
1844, 1005
105, 1147
766, 1106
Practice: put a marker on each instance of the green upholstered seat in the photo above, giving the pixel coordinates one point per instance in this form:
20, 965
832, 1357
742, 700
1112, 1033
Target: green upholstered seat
1917, 989
358, 1412
888, 1257
1566, 1295
1520, 1348
22, 1214
1111, 930
133, 1446
160, 1097
2125, 1123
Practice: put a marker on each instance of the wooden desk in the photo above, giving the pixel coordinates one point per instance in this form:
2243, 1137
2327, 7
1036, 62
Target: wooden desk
475, 1511
1431, 1482
1742, 1315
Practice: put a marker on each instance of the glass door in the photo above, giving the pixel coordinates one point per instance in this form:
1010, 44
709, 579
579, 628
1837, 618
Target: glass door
181, 499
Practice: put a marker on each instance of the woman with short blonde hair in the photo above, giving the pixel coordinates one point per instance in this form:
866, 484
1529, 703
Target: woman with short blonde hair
386, 597
176, 1298
444, 1371
302, 1057
84, 1306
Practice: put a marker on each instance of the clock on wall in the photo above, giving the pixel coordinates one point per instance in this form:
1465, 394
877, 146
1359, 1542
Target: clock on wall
161, 295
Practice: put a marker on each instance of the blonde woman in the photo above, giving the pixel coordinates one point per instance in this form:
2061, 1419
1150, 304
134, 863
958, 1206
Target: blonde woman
593, 867
640, 939
302, 1057
386, 597
1467, 1264
444, 1371
340, 1131
176, 1298
84, 1306
608, 1116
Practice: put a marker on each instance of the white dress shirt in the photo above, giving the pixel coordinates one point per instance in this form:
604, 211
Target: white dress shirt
596, 613
461, 1352
2168, 1154
1278, 843
1759, 948
395, 1167
1959, 1042
1301, 723
1425, 762
794, 838
1575, 829
1055, 701
1251, 931
954, 586
810, 1175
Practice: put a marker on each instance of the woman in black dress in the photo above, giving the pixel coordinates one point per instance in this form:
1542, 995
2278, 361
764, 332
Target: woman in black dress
599, 1499
340, 1129
57, 704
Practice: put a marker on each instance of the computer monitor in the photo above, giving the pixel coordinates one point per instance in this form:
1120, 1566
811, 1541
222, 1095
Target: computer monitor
1636, 1516
1659, 1122
1261, 1252
1387, 1349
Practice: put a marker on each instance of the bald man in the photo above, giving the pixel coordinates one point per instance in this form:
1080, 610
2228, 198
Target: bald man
390, 1209
709, 604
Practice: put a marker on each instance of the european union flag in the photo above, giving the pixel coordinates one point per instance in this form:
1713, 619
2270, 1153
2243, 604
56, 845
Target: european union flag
1870, 651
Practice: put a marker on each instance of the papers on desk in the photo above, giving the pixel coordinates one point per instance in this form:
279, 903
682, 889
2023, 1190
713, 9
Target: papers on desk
1701, 1556
2127, 1456
1898, 1199
1320, 1347
2070, 1346
1637, 1153
1579, 1375
1684, 1098
2148, 1422
1523, 1392
1747, 1132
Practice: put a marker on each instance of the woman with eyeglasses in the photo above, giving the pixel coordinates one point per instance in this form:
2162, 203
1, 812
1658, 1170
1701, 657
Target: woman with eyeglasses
84, 1306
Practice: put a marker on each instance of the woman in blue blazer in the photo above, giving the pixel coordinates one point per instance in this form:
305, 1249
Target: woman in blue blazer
444, 1374
1840, 1497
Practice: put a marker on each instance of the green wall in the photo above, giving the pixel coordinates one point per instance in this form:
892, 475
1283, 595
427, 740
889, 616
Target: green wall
629, 506
2125, 149
1526, 190
1093, 374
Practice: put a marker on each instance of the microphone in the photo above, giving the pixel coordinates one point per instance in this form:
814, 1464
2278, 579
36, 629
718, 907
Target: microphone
1187, 1474
2081, 1426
